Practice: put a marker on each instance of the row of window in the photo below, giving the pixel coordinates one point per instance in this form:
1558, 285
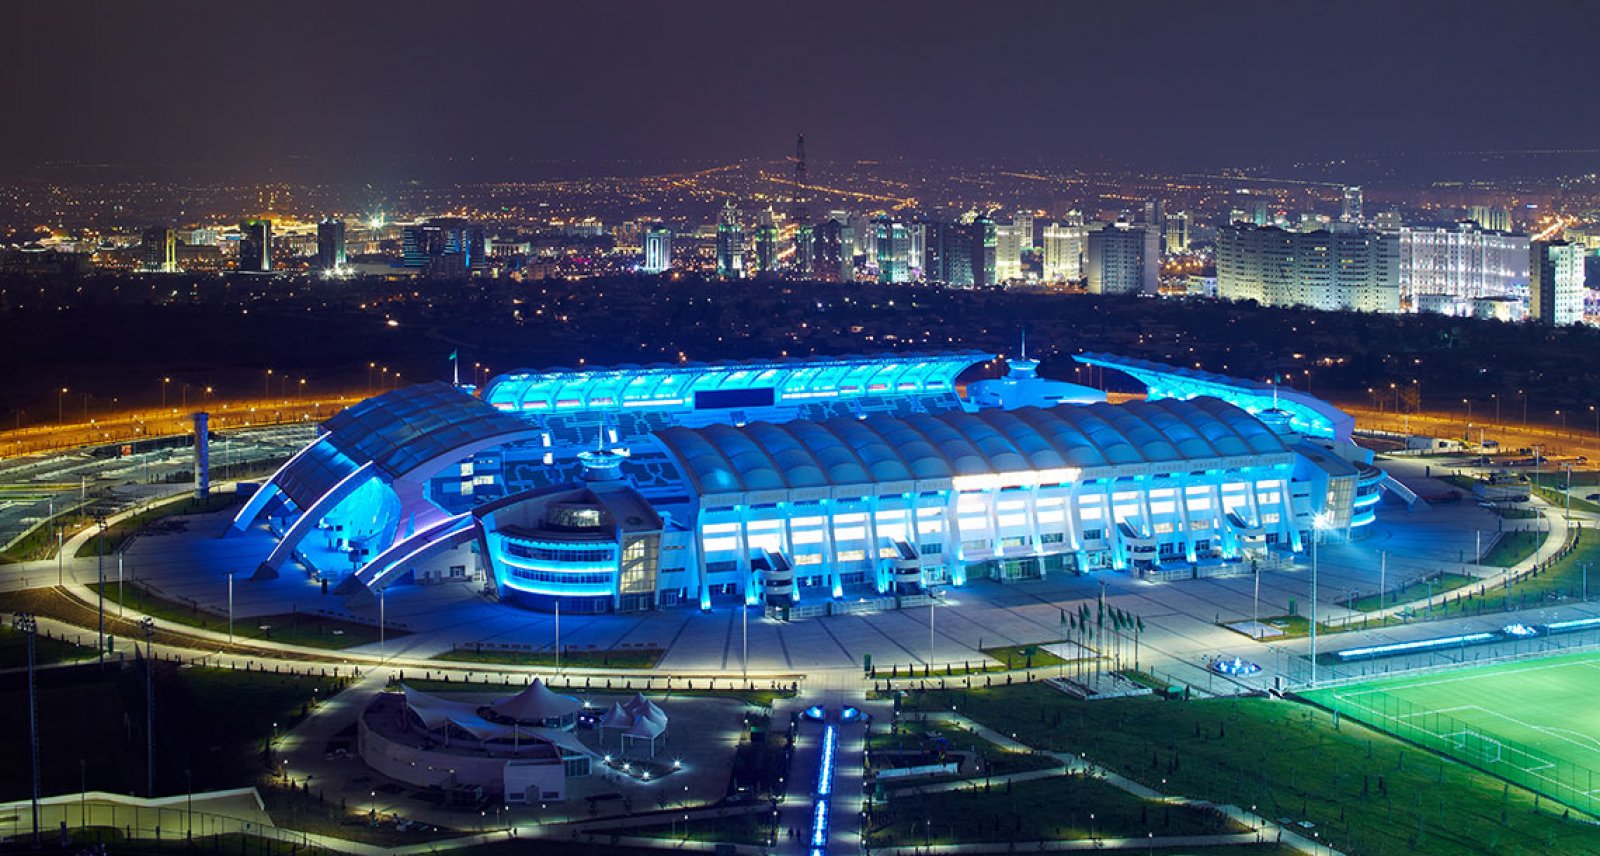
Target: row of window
560, 578
563, 554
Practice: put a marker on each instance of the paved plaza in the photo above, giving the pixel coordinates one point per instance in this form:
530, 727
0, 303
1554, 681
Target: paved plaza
1181, 617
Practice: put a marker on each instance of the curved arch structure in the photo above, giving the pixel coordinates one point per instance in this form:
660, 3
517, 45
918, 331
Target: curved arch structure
1310, 415
366, 477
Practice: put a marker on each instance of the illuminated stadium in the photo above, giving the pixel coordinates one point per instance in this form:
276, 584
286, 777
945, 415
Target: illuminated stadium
804, 486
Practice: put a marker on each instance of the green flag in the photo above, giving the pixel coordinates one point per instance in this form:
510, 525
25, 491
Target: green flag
452, 355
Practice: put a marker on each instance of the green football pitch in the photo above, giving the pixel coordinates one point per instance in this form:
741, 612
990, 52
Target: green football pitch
1534, 722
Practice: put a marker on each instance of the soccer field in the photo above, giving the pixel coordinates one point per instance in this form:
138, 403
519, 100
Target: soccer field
1535, 722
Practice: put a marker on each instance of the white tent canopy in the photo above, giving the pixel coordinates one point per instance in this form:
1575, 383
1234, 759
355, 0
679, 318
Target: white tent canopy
617, 717
537, 703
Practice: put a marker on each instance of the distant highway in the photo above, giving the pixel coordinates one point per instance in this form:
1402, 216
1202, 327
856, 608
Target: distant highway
33, 485
171, 421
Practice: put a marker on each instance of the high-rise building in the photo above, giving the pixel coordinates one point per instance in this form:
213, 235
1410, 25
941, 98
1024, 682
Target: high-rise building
917, 233
255, 246
1343, 268
1176, 234
160, 249
330, 245
1490, 217
1063, 252
893, 250
804, 263
1123, 258
1023, 221
1350, 209
985, 261
730, 244
1153, 214
657, 250
766, 251
828, 260
1555, 290
1461, 261
445, 247
1007, 253
947, 257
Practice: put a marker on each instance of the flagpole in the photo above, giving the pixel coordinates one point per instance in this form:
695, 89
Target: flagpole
455, 363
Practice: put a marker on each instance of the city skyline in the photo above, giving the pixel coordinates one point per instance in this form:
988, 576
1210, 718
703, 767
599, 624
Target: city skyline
369, 92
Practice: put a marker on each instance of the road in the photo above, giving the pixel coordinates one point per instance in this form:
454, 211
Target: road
34, 486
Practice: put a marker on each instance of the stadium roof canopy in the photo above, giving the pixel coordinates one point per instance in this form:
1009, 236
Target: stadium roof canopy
764, 456
393, 437
1309, 415
681, 385
402, 429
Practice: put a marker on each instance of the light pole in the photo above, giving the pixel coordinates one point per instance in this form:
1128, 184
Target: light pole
61, 412
165, 382
100, 590
1568, 515
149, 706
1318, 523
28, 625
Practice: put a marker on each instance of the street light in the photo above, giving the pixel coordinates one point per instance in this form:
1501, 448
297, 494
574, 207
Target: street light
1318, 523
149, 627
28, 625
60, 405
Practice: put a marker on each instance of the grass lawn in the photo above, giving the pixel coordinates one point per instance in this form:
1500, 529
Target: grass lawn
615, 658
1513, 547
212, 722
307, 811
747, 827
40, 543
118, 533
1552, 489
1533, 721
1025, 656
597, 686
1041, 809
997, 760
1419, 590
14, 650
116, 842
299, 628
1365, 791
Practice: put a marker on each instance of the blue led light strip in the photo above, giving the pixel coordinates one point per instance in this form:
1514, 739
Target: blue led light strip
1420, 645
819, 810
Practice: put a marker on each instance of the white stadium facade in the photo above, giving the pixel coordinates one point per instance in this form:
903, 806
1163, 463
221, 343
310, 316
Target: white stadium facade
807, 486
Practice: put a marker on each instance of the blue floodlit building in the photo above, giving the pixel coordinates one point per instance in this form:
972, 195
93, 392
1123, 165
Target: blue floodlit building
802, 485
1310, 416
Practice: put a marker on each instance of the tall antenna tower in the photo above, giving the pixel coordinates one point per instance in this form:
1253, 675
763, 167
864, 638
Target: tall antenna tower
801, 215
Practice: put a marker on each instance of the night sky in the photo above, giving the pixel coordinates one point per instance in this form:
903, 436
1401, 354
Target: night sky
400, 89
